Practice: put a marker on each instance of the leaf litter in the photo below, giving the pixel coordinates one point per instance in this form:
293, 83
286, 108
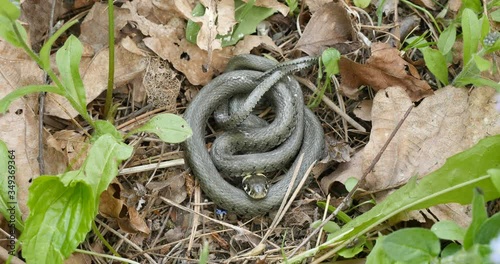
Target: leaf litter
153, 31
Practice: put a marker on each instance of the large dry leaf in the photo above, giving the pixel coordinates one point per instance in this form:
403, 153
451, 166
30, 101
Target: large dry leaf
442, 125
168, 41
19, 126
385, 68
37, 14
94, 29
329, 26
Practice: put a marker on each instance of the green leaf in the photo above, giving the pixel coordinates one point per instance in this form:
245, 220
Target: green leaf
447, 39
353, 248
60, 217
474, 5
452, 183
436, 63
8, 192
470, 34
350, 183
488, 230
168, 127
45, 50
362, 3
378, 254
479, 216
485, 26
8, 32
330, 58
421, 248
9, 10
495, 15
101, 165
104, 127
192, 28
248, 17
495, 177
68, 62
450, 249
476, 81
62, 207
481, 63
341, 215
329, 227
22, 91
448, 230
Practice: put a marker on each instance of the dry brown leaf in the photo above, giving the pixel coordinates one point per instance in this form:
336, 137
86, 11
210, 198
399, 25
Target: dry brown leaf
282, 8
315, 5
442, 125
383, 69
329, 26
363, 110
249, 42
37, 15
174, 188
112, 205
19, 126
425, 3
206, 39
71, 145
94, 29
94, 73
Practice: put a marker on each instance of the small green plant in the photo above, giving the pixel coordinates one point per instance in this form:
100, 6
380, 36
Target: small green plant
454, 182
477, 41
419, 245
328, 66
62, 207
247, 16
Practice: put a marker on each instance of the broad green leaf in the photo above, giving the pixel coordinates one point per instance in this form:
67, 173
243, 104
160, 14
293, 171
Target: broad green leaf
447, 39
378, 254
450, 249
341, 215
454, 182
412, 245
495, 15
101, 165
8, 32
362, 3
22, 91
448, 230
485, 26
62, 207
436, 63
488, 230
350, 183
495, 174
329, 227
103, 127
68, 62
192, 28
248, 17
168, 127
470, 34
45, 50
474, 5
9, 10
60, 217
8, 192
472, 256
479, 216
330, 58
481, 63
476, 81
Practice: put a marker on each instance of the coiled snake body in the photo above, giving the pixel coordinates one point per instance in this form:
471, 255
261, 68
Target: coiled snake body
253, 75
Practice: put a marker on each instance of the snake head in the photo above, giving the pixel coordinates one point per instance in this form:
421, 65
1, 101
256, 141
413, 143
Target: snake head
256, 185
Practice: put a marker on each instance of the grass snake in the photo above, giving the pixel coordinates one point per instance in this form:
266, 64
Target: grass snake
253, 76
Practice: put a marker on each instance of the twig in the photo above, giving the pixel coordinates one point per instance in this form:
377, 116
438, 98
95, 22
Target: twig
332, 105
161, 165
351, 193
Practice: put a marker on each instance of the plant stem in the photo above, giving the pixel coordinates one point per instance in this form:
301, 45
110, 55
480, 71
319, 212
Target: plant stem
111, 66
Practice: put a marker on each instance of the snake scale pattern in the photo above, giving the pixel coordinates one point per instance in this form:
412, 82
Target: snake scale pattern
253, 76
